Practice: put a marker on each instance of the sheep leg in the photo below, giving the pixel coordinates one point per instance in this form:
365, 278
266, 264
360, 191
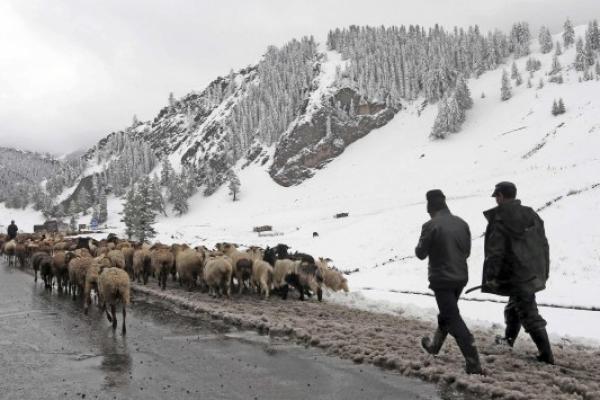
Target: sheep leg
108, 317
284, 291
163, 280
35, 271
320, 294
113, 311
124, 330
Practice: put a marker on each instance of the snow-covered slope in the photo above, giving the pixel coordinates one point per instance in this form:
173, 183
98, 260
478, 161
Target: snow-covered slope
382, 178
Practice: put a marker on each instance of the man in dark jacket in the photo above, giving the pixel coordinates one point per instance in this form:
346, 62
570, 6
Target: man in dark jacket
12, 230
446, 240
516, 265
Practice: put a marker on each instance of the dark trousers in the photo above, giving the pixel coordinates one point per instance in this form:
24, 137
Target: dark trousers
449, 319
522, 310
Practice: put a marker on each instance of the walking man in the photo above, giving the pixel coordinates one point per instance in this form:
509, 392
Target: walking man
517, 265
446, 240
12, 230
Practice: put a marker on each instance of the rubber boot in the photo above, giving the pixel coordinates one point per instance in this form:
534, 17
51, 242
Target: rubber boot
433, 346
469, 351
540, 338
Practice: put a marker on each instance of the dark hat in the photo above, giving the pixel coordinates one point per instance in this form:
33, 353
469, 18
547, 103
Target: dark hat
436, 200
435, 194
508, 190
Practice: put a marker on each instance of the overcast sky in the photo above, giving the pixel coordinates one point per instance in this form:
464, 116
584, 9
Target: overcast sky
72, 71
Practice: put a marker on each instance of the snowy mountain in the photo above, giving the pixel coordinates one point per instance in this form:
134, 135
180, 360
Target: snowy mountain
313, 131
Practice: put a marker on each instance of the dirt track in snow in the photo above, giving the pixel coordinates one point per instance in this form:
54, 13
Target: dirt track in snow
392, 342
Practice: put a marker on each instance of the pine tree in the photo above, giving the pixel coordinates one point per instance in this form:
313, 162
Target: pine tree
505, 90
102, 209
580, 59
514, 71
234, 184
95, 214
529, 84
146, 214
597, 69
541, 83
545, 39
588, 49
171, 99
178, 195
561, 106
158, 204
73, 224
463, 95
554, 108
519, 79
556, 67
595, 35
135, 122
130, 213
568, 33
166, 172
84, 199
73, 207
450, 117
558, 49
440, 125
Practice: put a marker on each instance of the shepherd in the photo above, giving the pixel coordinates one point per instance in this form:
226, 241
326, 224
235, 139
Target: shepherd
12, 230
517, 264
446, 240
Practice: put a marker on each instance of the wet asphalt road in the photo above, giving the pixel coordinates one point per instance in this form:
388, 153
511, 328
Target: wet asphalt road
49, 349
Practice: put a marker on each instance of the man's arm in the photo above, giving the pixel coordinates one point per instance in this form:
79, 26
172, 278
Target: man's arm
422, 249
495, 249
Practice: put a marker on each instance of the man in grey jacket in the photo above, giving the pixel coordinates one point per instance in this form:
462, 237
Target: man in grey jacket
446, 240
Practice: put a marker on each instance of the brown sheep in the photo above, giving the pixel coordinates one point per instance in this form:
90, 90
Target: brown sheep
300, 274
332, 278
42, 261
83, 253
242, 263
60, 270
142, 265
78, 267
91, 282
117, 258
128, 255
61, 246
217, 275
262, 277
162, 263
113, 287
102, 250
189, 267
21, 254
91, 278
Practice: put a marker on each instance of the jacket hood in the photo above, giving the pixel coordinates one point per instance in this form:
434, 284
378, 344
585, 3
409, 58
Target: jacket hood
513, 216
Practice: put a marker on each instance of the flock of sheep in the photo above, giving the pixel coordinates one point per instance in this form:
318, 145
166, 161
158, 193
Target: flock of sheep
80, 265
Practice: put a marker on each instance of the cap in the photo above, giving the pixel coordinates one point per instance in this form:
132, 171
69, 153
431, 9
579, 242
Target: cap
435, 194
508, 189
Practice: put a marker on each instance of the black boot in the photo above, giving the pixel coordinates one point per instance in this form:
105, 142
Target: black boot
540, 338
469, 351
433, 346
